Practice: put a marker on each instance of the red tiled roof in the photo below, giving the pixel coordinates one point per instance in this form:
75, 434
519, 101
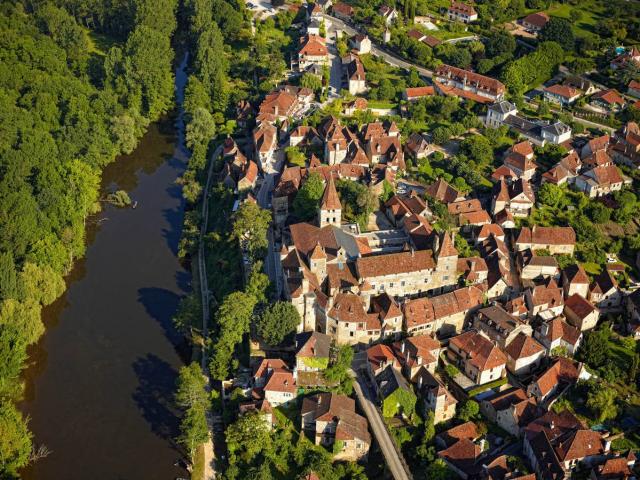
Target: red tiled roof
563, 370
483, 353
538, 19
579, 305
523, 346
610, 96
482, 82
564, 91
313, 45
417, 92
395, 263
330, 199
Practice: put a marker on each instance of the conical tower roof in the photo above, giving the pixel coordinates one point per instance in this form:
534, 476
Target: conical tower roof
330, 198
447, 249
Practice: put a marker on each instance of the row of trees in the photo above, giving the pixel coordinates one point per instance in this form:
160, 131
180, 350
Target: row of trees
66, 114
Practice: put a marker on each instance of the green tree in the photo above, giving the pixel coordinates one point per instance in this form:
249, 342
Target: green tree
311, 81
558, 30
247, 437
295, 156
15, 441
200, 129
438, 470
338, 371
250, 225
277, 322
191, 388
469, 410
550, 194
594, 349
192, 398
601, 399
305, 205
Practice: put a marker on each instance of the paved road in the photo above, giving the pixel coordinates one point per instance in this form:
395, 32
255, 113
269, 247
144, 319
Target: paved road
209, 457
366, 400
377, 50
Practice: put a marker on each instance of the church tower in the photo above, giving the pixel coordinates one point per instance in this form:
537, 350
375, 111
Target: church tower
330, 211
447, 262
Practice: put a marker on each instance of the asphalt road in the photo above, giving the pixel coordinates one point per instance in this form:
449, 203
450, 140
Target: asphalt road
377, 50
366, 400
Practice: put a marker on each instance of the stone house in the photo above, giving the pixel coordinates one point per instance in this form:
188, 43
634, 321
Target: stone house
394, 392
499, 326
443, 315
434, 395
557, 240
575, 280
461, 12
557, 333
524, 354
581, 313
312, 352
476, 356
562, 373
605, 294
333, 421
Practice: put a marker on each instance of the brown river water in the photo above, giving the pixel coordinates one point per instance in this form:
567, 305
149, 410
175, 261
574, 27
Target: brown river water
100, 385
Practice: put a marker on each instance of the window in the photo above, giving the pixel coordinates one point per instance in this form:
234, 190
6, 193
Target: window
373, 286
446, 277
351, 334
391, 285
402, 283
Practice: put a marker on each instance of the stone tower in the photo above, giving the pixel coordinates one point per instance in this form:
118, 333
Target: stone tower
447, 262
330, 211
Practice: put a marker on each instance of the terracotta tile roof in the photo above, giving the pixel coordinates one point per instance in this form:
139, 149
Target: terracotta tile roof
559, 329
418, 92
415, 34
330, 199
538, 19
447, 249
491, 229
343, 9
579, 305
465, 431
313, 345
598, 143
462, 8
564, 91
553, 424
348, 307
395, 263
431, 41
575, 274
547, 236
501, 191
441, 190
503, 171
503, 400
269, 364
481, 217
380, 355
609, 96
523, 346
463, 454
452, 91
420, 311
563, 370
608, 175
483, 354
615, 468
580, 444
543, 295
341, 278
281, 381
313, 45
464, 206
481, 82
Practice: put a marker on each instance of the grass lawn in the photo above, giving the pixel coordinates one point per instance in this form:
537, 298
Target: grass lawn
592, 13
198, 465
444, 34
99, 43
381, 104
591, 268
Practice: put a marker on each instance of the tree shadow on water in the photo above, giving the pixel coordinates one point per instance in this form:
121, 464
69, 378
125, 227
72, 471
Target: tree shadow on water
154, 396
161, 304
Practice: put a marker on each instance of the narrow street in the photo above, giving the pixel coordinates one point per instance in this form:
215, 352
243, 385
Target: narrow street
366, 399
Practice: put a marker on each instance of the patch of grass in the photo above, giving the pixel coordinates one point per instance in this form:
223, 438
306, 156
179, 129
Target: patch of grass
591, 14
99, 43
381, 104
591, 268
197, 473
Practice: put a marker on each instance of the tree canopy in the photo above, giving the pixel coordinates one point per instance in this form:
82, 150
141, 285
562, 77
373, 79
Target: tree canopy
277, 322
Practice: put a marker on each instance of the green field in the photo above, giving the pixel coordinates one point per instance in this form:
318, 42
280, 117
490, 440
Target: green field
591, 11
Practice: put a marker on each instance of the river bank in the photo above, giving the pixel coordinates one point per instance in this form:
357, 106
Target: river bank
99, 389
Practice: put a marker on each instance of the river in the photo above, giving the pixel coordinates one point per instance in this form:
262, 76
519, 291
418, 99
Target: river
99, 389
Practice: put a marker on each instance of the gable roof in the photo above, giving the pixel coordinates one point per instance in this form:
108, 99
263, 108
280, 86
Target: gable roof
395, 263
313, 345
481, 352
523, 346
563, 370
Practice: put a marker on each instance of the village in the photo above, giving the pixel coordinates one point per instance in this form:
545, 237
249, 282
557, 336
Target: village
470, 298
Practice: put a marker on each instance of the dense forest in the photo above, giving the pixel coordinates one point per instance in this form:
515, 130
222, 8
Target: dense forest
80, 80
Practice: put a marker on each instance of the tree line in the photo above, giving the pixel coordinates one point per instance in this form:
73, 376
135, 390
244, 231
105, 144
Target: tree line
67, 111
